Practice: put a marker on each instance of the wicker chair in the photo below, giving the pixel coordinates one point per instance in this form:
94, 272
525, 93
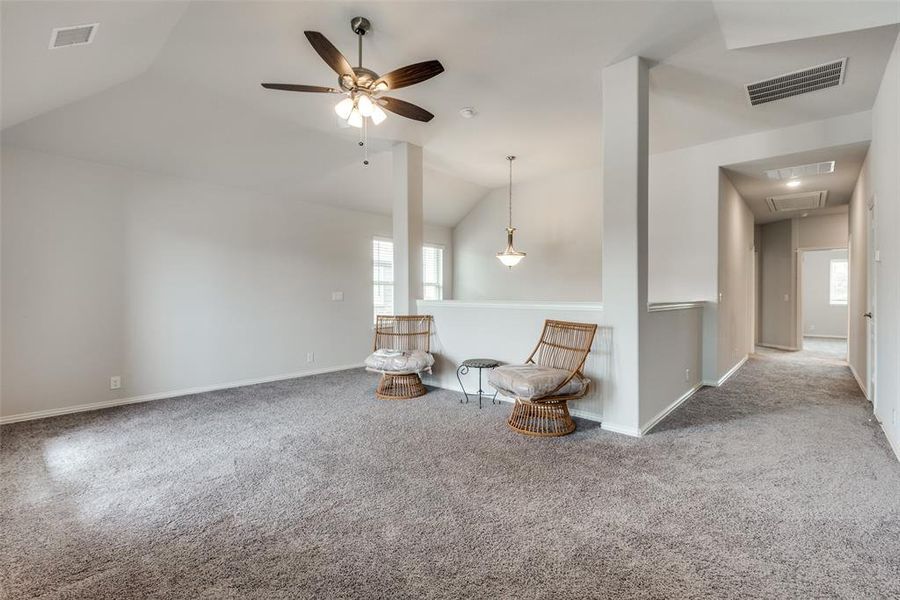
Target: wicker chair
551, 376
410, 335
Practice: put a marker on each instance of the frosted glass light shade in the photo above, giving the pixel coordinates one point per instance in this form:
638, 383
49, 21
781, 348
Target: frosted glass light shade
355, 119
510, 257
344, 108
378, 115
365, 106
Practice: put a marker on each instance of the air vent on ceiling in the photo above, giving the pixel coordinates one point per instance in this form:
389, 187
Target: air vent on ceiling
798, 82
821, 168
798, 201
73, 36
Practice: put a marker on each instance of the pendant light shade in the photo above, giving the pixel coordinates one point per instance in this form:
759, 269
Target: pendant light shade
510, 257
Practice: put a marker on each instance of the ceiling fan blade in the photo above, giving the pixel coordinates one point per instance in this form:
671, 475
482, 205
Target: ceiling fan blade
330, 54
405, 109
411, 74
294, 87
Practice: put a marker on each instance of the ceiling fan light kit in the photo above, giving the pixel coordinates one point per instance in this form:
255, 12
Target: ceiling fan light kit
363, 88
510, 257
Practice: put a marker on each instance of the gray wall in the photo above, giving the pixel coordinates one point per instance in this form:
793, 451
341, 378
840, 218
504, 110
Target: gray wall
735, 306
820, 317
777, 282
559, 222
169, 283
777, 274
857, 338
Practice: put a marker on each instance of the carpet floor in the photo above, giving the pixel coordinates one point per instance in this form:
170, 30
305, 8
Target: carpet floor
778, 484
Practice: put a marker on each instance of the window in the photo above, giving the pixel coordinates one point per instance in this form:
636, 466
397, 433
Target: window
433, 272
837, 281
382, 277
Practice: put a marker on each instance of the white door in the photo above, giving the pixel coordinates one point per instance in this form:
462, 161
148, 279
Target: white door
871, 314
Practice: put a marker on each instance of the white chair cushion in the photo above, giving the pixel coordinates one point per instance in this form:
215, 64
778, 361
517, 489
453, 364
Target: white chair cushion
533, 381
402, 363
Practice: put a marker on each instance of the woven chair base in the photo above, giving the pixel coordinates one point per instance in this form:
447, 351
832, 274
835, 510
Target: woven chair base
542, 420
400, 387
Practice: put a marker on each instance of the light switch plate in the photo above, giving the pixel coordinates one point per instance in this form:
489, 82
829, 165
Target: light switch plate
337, 296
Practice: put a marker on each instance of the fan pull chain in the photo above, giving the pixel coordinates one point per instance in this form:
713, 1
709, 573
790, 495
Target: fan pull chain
365, 142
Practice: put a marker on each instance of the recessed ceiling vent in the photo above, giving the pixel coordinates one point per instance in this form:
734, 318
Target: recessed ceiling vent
798, 82
821, 168
78, 35
798, 201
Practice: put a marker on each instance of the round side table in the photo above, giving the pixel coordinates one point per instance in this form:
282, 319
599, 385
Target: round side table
480, 364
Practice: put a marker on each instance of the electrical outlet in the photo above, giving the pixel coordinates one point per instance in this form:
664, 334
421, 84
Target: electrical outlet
310, 357
115, 382
787, 297
337, 296
687, 374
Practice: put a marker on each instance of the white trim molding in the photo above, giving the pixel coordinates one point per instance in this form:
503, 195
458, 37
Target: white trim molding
516, 304
664, 306
668, 410
728, 375
629, 431
66, 410
777, 347
859, 381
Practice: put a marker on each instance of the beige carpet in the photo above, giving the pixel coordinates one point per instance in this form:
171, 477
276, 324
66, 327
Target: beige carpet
777, 485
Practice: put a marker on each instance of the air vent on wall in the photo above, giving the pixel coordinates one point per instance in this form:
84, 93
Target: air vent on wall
822, 168
798, 201
798, 82
63, 37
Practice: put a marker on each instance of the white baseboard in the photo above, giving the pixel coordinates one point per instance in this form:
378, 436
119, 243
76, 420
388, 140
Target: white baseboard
53, 412
859, 382
895, 445
777, 347
666, 411
828, 337
726, 376
624, 430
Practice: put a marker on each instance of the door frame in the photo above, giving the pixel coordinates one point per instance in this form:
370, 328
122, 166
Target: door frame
799, 283
871, 303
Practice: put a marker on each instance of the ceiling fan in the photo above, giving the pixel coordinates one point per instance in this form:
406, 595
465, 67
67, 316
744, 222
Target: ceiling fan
363, 87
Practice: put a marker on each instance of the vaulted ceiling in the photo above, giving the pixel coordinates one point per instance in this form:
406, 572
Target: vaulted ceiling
174, 86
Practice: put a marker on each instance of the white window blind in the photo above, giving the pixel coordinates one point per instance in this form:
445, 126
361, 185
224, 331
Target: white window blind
837, 281
433, 272
382, 277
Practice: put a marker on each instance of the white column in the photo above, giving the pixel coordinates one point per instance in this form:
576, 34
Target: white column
625, 201
407, 221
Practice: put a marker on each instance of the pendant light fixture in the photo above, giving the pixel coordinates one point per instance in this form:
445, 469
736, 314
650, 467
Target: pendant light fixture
510, 257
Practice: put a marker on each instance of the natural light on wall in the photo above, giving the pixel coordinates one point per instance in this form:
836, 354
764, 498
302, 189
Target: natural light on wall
433, 272
382, 277
837, 281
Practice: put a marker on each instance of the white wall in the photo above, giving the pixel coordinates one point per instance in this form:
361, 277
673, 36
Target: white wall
820, 317
170, 284
684, 195
735, 275
558, 221
884, 158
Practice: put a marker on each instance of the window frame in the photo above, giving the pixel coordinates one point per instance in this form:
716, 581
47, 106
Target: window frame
832, 299
376, 283
440, 284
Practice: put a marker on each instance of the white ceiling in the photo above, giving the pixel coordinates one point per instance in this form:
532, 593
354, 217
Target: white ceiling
532, 69
754, 186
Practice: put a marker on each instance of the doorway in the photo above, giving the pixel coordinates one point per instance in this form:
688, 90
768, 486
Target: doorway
824, 294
